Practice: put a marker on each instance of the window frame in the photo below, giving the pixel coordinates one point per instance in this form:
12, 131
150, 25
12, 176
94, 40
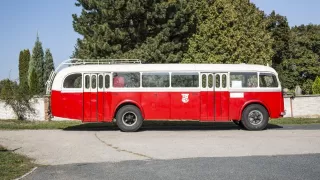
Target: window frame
112, 77
268, 73
72, 89
186, 72
155, 73
239, 72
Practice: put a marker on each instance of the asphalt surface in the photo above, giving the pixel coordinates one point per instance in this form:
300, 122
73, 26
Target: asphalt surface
219, 151
304, 167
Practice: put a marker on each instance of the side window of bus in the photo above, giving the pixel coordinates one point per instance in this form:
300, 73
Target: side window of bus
204, 80
100, 81
224, 81
87, 81
94, 81
107, 81
243, 80
217, 80
126, 79
73, 81
185, 80
155, 80
210, 81
268, 80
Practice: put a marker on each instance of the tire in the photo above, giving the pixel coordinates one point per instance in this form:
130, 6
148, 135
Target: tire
255, 117
129, 118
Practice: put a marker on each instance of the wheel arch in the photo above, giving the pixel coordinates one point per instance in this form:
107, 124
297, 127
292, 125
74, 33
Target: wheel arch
252, 103
125, 103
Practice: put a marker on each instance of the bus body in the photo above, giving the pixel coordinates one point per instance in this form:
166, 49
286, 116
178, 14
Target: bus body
174, 92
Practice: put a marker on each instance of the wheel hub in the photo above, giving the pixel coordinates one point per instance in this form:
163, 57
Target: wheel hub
255, 117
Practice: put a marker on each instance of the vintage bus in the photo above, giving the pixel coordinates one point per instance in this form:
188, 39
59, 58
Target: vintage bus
130, 93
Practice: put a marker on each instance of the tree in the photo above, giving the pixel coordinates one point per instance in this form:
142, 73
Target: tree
37, 64
24, 60
48, 65
279, 28
34, 83
316, 86
230, 31
302, 66
156, 31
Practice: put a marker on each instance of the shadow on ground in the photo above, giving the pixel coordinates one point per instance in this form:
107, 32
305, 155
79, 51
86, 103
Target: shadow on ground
163, 126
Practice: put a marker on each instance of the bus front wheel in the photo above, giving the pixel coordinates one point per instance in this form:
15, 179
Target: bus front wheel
255, 117
129, 118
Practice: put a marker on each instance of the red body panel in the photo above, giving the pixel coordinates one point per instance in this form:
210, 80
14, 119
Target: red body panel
273, 102
156, 105
203, 106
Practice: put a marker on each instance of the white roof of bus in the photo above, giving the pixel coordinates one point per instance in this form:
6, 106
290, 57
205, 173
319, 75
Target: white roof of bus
168, 67
157, 68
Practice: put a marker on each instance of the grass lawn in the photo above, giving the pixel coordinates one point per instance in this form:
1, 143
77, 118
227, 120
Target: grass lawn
13, 165
78, 125
295, 121
15, 124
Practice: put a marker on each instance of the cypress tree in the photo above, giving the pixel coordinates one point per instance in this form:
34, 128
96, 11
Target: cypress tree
21, 67
34, 82
36, 64
230, 31
48, 65
24, 59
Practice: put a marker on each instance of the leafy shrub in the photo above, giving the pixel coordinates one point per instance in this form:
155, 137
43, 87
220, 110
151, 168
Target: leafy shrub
17, 97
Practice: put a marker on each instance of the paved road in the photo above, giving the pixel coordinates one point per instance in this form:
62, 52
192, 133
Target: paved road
275, 167
55, 147
214, 152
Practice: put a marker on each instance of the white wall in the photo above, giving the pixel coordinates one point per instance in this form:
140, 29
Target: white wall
302, 106
6, 112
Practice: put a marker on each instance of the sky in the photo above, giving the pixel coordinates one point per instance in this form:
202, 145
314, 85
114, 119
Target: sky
21, 20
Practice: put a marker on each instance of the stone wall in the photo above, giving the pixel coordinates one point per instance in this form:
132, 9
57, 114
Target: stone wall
302, 106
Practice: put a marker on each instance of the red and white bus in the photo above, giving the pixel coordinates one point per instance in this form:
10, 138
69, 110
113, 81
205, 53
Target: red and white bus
131, 93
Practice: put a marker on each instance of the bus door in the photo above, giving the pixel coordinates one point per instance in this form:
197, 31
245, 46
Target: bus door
90, 98
104, 98
207, 97
221, 97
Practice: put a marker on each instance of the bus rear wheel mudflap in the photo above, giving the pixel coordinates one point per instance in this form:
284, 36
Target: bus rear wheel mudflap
255, 117
129, 118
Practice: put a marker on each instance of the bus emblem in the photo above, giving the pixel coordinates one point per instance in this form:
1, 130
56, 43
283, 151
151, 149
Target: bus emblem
185, 98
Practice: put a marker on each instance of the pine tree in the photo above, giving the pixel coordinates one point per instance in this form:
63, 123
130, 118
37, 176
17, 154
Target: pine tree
36, 64
230, 31
48, 65
279, 28
34, 83
156, 31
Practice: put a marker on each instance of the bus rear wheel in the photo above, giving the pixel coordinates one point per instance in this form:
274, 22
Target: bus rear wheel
255, 117
129, 118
